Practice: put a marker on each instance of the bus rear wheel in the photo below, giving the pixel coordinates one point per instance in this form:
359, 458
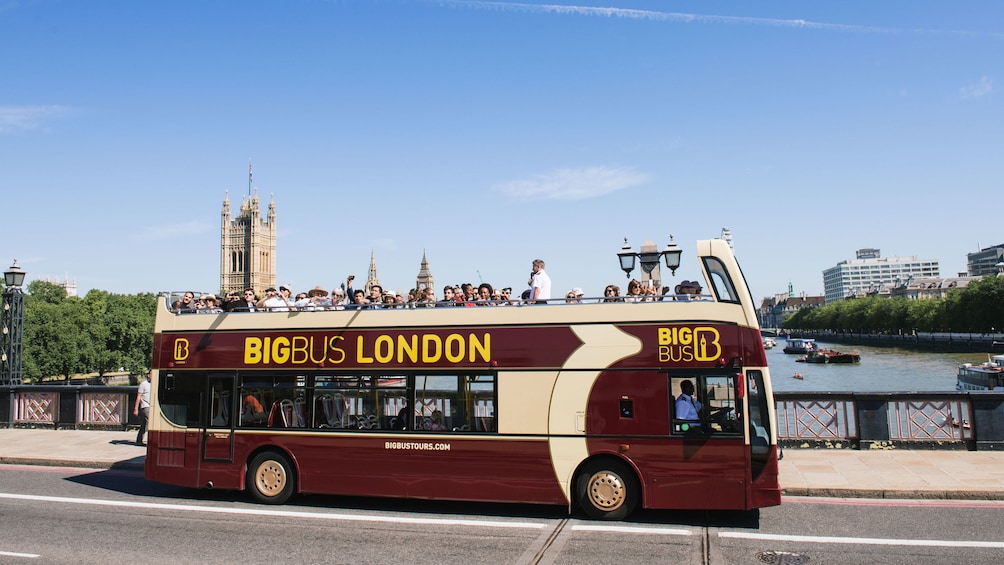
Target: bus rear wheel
607, 490
271, 478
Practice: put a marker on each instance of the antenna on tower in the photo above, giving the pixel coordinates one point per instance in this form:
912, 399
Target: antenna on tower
250, 176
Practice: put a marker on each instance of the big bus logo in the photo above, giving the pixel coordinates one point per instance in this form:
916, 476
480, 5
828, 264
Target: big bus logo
180, 350
682, 344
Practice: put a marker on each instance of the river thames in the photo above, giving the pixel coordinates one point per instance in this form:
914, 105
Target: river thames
881, 370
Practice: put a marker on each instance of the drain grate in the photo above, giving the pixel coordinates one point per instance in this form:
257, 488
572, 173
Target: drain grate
782, 558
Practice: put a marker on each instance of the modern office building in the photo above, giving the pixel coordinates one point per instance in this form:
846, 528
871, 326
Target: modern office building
869, 272
985, 261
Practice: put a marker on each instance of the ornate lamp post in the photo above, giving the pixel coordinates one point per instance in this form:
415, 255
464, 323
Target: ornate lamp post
649, 257
13, 324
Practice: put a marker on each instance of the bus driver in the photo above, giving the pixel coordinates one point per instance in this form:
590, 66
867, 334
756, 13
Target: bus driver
687, 408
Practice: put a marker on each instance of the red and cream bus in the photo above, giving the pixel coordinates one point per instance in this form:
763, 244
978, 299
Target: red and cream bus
569, 404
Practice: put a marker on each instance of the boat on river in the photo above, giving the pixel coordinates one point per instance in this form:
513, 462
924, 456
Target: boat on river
800, 345
769, 342
831, 356
986, 376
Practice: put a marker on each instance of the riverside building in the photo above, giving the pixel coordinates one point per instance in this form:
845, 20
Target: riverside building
869, 272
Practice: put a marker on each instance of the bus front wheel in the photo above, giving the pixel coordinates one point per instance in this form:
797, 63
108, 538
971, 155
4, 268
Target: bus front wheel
271, 478
607, 490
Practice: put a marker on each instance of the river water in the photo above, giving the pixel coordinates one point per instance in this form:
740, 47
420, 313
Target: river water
881, 370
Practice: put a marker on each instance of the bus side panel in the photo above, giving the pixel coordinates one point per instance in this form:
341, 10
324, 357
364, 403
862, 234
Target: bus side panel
684, 473
423, 466
172, 457
766, 488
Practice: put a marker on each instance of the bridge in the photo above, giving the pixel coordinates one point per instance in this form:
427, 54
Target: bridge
849, 420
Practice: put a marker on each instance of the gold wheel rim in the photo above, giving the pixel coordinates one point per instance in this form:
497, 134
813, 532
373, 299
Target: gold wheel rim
606, 490
270, 478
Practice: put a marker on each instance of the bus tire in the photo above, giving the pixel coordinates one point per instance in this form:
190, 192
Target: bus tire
607, 489
271, 478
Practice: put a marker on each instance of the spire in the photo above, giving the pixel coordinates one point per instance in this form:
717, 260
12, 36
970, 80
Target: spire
372, 278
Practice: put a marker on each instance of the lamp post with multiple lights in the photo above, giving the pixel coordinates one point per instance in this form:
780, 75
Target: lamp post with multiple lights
13, 326
649, 257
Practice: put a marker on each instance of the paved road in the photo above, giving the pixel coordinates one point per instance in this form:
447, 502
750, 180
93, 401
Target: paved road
58, 515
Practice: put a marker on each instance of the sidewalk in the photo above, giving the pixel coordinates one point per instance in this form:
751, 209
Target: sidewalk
918, 474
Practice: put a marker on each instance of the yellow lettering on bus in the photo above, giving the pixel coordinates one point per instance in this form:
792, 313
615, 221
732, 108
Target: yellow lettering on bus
407, 346
684, 344
454, 348
180, 349
280, 350
252, 351
360, 356
337, 354
483, 347
383, 349
432, 348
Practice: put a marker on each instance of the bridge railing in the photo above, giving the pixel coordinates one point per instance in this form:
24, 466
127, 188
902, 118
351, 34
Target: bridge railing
68, 407
877, 420
863, 420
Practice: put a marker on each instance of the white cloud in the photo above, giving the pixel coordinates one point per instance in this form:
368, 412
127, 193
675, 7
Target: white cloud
20, 118
572, 184
172, 231
977, 89
687, 18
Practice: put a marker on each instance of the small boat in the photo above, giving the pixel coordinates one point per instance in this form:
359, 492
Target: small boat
798, 376
986, 376
799, 345
831, 356
769, 342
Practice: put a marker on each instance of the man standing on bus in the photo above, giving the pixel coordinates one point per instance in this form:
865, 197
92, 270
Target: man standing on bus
540, 283
142, 408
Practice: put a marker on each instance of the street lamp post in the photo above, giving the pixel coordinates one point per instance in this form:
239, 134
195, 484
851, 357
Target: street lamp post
649, 257
13, 324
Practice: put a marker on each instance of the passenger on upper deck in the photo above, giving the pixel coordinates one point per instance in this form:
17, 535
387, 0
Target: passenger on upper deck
247, 303
688, 290
185, 304
338, 300
359, 301
540, 283
611, 293
635, 291
485, 295
274, 301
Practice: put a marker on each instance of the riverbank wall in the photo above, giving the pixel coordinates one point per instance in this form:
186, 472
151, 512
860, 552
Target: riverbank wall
943, 342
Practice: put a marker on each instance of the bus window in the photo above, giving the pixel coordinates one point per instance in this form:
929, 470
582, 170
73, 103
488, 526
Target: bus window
705, 404
759, 423
458, 403
178, 397
725, 291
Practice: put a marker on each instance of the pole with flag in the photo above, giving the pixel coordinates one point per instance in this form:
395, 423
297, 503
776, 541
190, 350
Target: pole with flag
250, 176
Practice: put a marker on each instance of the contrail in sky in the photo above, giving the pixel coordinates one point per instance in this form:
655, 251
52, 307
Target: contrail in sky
679, 17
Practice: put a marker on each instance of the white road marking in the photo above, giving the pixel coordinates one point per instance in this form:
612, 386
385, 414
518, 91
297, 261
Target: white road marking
14, 554
863, 541
632, 530
280, 513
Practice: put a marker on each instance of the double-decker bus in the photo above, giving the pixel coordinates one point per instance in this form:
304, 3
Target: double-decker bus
566, 404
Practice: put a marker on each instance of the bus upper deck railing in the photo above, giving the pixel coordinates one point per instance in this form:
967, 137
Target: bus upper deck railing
173, 297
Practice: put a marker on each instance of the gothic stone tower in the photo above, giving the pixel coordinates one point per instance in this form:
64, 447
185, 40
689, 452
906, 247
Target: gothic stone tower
247, 246
424, 279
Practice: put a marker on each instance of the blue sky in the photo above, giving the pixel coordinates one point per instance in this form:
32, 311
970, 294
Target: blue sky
487, 134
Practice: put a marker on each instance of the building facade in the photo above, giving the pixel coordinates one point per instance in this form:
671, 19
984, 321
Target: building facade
247, 246
870, 273
985, 261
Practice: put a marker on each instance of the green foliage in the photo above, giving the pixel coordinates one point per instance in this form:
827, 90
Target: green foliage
977, 308
100, 333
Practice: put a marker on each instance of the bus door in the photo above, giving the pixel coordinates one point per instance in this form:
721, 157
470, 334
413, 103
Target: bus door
218, 420
707, 419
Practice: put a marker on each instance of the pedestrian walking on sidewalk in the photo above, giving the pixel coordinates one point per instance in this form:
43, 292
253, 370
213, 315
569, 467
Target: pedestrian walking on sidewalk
142, 408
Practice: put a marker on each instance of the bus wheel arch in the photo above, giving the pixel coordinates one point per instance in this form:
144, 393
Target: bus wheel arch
271, 476
607, 488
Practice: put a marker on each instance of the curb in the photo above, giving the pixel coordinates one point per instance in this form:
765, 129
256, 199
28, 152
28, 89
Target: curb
127, 465
886, 494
